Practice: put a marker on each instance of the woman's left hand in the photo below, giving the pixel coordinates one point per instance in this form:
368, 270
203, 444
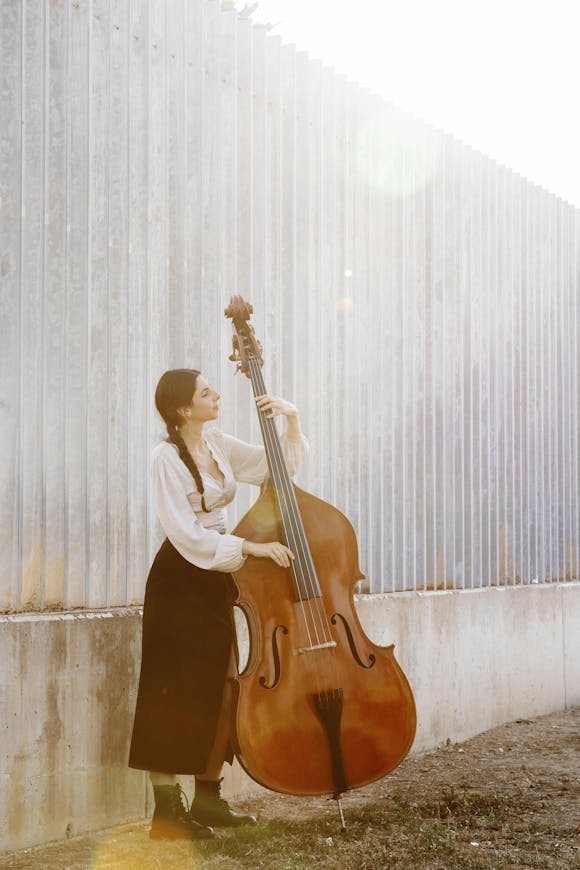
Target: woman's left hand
274, 405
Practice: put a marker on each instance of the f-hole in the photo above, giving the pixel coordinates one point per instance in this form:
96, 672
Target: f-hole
276, 658
350, 638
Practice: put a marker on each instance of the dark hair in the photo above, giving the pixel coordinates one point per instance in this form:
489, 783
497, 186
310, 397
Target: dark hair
175, 390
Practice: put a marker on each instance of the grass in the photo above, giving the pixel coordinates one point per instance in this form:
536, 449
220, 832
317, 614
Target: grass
453, 830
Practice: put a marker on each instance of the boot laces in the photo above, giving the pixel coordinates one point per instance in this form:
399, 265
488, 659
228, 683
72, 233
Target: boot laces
214, 798
180, 802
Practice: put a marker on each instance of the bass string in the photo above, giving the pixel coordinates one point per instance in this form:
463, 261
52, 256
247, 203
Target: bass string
296, 542
293, 527
290, 509
270, 440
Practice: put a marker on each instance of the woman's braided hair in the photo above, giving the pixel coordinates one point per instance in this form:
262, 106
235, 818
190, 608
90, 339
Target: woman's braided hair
175, 390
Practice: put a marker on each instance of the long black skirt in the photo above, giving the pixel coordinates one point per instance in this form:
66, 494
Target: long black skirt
188, 636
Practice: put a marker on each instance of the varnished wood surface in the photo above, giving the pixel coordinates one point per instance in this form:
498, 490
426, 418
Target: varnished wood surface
280, 738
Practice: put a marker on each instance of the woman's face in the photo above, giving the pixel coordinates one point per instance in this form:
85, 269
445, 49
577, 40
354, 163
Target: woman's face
204, 405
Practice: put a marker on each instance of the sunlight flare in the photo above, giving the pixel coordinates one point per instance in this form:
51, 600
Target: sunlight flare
395, 153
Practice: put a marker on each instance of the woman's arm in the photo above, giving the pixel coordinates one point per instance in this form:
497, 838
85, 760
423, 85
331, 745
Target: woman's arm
274, 550
248, 461
206, 548
271, 406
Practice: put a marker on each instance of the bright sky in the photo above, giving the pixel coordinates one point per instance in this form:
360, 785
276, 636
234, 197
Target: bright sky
500, 75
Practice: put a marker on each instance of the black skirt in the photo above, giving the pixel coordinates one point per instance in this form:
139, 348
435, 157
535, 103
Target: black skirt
188, 635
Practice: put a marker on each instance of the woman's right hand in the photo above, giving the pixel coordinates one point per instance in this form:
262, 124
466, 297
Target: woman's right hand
272, 550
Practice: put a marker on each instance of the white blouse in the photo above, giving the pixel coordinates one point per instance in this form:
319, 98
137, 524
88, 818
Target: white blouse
198, 536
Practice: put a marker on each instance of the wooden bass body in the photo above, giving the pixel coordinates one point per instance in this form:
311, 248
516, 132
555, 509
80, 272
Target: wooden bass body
319, 708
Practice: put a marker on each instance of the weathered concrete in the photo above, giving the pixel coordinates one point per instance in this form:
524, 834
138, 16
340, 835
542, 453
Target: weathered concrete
67, 683
479, 658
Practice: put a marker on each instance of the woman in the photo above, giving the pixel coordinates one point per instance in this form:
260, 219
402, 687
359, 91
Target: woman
183, 710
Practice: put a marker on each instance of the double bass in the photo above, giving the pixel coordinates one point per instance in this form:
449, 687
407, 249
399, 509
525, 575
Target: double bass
318, 708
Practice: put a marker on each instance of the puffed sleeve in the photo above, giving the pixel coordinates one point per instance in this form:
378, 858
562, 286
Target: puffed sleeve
203, 547
248, 461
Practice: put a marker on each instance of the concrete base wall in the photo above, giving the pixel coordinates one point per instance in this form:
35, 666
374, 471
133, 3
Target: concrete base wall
478, 658
475, 659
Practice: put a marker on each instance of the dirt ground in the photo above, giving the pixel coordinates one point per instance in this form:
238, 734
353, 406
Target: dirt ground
505, 799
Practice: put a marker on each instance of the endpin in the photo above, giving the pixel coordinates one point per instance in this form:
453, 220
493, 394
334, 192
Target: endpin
340, 813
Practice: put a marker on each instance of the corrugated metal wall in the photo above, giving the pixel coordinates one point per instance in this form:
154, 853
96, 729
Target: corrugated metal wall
416, 300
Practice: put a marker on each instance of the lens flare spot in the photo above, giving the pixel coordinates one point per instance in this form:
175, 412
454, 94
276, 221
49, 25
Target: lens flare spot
344, 304
133, 850
396, 153
113, 855
348, 273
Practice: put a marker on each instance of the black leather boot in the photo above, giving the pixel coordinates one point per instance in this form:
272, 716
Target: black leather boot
208, 808
171, 819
